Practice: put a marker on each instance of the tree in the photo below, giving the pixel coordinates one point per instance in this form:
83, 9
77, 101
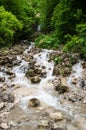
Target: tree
24, 12
9, 24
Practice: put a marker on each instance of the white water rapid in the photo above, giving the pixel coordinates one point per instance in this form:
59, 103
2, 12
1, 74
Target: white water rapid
24, 90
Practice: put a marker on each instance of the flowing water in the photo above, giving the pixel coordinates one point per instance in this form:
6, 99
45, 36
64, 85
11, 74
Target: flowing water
44, 91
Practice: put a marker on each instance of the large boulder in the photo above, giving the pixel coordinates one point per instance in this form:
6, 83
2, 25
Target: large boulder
34, 102
35, 79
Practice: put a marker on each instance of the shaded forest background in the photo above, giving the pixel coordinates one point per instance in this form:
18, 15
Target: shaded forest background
62, 22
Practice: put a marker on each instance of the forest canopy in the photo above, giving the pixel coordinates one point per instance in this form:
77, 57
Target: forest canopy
61, 22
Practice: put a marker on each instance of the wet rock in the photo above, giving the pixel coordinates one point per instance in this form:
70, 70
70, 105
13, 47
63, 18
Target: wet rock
56, 71
62, 89
4, 126
75, 98
43, 73
60, 86
2, 105
43, 124
37, 70
84, 65
18, 49
35, 79
56, 116
43, 67
67, 71
74, 80
30, 73
7, 98
34, 102
82, 83
2, 79
9, 72
37, 65
67, 63
16, 62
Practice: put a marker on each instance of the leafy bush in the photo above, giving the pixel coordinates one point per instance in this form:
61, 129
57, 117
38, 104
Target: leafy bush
47, 41
24, 12
9, 24
57, 60
77, 43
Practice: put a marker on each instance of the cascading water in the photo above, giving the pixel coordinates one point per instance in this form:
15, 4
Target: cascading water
26, 90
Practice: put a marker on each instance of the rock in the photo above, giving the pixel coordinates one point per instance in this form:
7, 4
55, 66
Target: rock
82, 84
9, 72
43, 124
57, 83
34, 102
37, 65
35, 79
2, 79
63, 89
60, 85
1, 105
84, 65
56, 71
75, 98
7, 98
37, 70
4, 126
16, 62
56, 116
43, 73
74, 80
43, 67
30, 73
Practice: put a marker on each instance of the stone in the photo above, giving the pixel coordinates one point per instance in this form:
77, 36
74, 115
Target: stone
10, 73
56, 71
30, 73
4, 126
37, 70
37, 65
82, 83
16, 62
7, 98
56, 116
2, 105
2, 79
74, 80
62, 89
34, 102
84, 65
43, 124
35, 79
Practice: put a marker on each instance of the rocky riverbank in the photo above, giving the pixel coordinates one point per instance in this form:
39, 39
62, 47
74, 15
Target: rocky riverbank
38, 94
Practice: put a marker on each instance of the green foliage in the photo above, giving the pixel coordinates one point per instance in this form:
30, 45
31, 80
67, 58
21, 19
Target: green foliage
24, 12
57, 60
9, 24
47, 41
46, 11
77, 43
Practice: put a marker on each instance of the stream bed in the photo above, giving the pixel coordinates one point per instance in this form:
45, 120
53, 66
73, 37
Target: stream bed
29, 96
